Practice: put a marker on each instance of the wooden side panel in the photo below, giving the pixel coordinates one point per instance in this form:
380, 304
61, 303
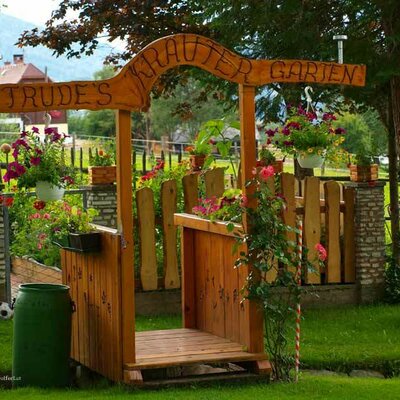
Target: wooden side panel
168, 204
146, 218
231, 291
201, 255
289, 214
349, 250
217, 284
188, 279
332, 218
190, 191
95, 284
312, 226
214, 180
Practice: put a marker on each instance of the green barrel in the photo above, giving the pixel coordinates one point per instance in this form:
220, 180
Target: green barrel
42, 335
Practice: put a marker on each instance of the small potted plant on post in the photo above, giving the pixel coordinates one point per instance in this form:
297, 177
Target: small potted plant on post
363, 169
266, 157
39, 163
200, 149
102, 169
307, 137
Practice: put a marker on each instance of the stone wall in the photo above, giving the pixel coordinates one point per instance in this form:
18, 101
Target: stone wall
369, 234
103, 199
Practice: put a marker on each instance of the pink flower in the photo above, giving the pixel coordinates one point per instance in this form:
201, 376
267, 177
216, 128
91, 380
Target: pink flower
46, 216
39, 246
245, 201
48, 131
322, 253
35, 129
35, 216
42, 236
266, 173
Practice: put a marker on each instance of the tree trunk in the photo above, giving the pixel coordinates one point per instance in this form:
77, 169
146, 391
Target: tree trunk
393, 141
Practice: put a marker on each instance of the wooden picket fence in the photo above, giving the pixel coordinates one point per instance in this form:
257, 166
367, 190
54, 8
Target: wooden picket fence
326, 209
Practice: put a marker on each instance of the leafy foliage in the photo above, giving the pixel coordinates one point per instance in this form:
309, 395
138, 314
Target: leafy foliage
392, 276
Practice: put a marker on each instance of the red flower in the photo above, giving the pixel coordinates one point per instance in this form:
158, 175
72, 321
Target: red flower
266, 173
7, 201
39, 205
35, 161
322, 253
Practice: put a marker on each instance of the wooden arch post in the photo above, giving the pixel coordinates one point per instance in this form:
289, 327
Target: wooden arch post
102, 285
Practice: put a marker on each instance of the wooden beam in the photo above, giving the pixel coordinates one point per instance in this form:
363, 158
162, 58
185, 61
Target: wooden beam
125, 228
247, 110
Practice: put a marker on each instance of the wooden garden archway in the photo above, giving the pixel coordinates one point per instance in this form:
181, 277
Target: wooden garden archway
103, 285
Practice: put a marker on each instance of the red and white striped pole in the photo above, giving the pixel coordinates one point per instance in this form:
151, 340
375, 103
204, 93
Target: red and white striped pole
298, 307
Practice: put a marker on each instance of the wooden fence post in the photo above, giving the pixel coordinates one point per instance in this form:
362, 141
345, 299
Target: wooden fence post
146, 219
168, 206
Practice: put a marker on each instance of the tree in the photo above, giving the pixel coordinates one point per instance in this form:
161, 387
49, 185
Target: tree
184, 109
259, 29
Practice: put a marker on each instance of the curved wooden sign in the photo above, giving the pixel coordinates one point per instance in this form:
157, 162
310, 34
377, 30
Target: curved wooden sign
129, 90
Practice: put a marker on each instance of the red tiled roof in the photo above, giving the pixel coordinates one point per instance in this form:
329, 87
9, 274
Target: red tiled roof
16, 73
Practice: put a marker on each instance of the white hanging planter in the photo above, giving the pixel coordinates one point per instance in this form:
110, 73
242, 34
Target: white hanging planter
46, 191
310, 160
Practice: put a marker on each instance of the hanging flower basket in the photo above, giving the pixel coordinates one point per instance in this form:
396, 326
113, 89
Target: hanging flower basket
197, 161
103, 175
46, 191
363, 173
310, 160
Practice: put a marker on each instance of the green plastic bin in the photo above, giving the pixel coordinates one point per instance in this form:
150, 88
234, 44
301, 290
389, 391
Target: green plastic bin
42, 335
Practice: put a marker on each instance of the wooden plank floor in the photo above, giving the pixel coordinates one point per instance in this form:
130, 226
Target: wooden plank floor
164, 348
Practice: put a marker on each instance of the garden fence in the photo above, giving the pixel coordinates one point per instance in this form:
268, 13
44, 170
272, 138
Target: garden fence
326, 209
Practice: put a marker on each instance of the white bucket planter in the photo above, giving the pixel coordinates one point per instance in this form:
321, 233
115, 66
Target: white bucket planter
45, 191
310, 160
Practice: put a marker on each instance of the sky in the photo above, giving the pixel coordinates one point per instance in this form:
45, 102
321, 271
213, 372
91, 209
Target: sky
34, 11
39, 11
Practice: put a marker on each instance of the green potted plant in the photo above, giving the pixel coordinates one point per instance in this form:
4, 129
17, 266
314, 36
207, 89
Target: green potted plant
267, 157
72, 227
39, 163
307, 137
200, 149
102, 169
363, 168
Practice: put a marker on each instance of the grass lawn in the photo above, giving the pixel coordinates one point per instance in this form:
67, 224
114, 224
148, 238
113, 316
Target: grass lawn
348, 338
343, 338
309, 387
340, 339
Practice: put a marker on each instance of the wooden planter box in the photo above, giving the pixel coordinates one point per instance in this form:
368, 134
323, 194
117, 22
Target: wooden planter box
27, 270
360, 173
102, 175
81, 242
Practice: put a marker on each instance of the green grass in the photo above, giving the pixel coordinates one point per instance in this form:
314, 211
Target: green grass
364, 337
334, 338
309, 387
341, 338
5, 346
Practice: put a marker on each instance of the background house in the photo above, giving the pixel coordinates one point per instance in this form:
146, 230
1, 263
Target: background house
17, 72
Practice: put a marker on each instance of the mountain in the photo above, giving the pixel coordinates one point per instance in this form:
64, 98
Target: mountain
59, 68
